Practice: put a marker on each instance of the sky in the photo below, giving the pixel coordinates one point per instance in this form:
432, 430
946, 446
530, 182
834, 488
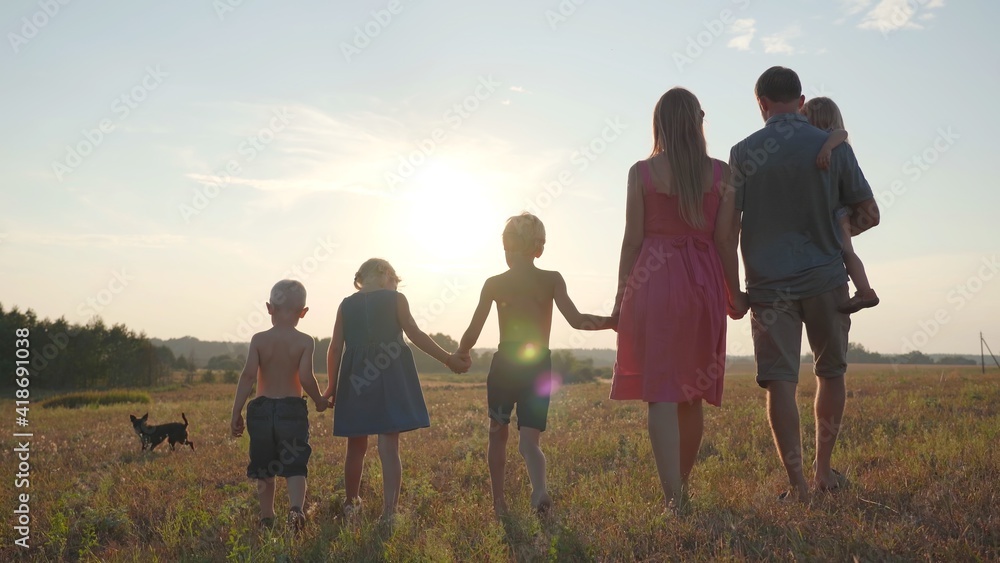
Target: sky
166, 163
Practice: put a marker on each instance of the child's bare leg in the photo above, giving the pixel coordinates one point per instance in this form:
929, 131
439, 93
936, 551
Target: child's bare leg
865, 295
691, 426
296, 486
265, 493
354, 466
534, 459
296, 491
392, 472
855, 268
496, 456
664, 436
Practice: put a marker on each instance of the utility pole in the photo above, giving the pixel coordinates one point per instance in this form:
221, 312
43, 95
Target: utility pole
982, 341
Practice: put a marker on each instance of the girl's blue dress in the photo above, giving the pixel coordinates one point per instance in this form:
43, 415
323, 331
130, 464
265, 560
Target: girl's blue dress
378, 391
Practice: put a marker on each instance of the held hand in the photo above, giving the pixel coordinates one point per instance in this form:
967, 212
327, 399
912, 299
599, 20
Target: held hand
616, 311
613, 321
329, 397
322, 405
459, 363
738, 306
236, 426
823, 160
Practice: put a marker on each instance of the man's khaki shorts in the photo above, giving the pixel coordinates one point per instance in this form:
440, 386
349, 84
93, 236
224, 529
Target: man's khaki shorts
777, 336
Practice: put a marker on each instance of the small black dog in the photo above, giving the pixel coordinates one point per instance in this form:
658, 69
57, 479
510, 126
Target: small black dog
152, 436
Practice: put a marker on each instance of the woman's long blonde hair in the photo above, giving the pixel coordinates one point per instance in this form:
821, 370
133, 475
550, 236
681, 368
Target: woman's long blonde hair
678, 131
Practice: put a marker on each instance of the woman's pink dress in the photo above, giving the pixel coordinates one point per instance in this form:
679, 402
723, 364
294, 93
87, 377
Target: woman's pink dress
672, 328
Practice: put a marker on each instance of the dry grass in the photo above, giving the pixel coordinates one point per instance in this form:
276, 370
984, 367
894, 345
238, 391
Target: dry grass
919, 447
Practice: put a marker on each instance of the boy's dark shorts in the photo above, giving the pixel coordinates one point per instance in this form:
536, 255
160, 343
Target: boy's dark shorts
521, 379
279, 437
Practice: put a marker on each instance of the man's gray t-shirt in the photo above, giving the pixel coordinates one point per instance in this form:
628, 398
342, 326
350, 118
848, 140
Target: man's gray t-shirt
790, 238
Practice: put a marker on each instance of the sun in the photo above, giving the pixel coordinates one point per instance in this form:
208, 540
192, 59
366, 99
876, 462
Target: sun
453, 215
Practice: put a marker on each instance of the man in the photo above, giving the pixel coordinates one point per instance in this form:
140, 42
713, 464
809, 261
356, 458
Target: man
795, 271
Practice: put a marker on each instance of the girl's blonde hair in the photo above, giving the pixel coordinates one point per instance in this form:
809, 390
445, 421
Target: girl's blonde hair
374, 267
524, 234
823, 113
678, 131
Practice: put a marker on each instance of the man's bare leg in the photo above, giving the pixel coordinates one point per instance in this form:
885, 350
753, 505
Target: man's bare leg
783, 415
830, 399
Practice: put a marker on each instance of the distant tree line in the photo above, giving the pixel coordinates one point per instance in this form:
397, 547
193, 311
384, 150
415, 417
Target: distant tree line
96, 356
90, 356
856, 353
569, 368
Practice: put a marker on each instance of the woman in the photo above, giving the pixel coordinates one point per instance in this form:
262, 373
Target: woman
678, 262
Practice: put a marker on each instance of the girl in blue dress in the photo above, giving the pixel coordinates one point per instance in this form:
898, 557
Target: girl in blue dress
377, 390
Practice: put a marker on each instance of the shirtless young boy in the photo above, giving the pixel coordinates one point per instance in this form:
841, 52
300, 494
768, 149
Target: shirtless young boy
281, 361
521, 370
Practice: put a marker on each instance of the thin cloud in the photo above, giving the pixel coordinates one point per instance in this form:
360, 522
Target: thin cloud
360, 154
518, 89
855, 6
743, 30
100, 240
319, 152
893, 15
778, 43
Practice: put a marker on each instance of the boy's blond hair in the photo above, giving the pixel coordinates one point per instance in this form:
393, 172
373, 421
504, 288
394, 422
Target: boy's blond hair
288, 295
524, 234
823, 113
373, 267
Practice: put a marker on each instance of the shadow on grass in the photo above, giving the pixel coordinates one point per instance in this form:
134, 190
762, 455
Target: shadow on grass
359, 539
141, 457
532, 537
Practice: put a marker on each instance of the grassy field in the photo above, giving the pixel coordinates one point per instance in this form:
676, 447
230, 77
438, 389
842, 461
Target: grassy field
919, 446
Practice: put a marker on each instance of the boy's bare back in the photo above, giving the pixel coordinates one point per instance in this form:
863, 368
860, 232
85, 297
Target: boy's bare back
524, 294
281, 353
524, 304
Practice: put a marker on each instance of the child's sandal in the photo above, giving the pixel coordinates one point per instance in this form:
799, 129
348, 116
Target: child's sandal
352, 509
296, 519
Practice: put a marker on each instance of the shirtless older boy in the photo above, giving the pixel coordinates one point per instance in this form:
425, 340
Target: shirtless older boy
281, 361
521, 370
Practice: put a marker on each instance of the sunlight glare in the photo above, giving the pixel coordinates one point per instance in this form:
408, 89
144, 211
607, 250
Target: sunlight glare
452, 212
